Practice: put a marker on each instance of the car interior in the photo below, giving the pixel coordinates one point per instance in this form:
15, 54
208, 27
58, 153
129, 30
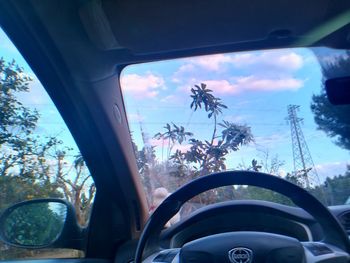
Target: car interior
78, 50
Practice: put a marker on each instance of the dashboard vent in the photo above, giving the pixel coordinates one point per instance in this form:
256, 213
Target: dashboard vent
345, 221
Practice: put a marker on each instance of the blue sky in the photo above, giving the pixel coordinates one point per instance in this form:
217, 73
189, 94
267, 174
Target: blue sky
50, 122
256, 87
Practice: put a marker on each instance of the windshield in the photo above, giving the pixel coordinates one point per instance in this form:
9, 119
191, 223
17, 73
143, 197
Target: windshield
262, 111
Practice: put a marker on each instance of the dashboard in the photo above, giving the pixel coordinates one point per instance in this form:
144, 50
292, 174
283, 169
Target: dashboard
250, 215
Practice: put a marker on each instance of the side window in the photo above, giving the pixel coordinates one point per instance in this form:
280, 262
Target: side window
38, 156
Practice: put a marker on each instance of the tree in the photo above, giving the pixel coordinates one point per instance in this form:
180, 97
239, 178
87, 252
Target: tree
266, 164
333, 120
269, 165
207, 156
204, 156
18, 144
335, 189
36, 224
72, 179
173, 134
32, 165
17, 122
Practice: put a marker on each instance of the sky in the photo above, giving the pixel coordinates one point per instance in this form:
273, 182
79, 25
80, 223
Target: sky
256, 87
50, 122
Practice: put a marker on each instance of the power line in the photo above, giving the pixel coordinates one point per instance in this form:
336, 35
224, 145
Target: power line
177, 107
209, 123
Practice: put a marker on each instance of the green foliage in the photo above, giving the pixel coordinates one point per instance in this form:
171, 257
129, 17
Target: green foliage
333, 120
17, 123
234, 135
336, 189
201, 96
207, 156
257, 193
21, 151
203, 157
33, 165
35, 224
14, 189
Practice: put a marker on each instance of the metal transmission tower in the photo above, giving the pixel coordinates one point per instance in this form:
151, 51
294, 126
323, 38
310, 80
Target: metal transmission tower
304, 167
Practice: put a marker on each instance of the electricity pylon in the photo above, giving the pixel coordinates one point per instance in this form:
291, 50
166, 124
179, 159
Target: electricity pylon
304, 168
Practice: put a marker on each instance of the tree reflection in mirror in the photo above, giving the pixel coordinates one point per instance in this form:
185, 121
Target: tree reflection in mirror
35, 224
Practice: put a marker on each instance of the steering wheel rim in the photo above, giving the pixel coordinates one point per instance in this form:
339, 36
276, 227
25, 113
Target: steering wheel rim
149, 240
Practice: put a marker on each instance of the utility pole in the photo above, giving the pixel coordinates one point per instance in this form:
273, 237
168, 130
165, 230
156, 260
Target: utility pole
304, 167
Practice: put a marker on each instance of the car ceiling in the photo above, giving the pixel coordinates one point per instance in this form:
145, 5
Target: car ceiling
94, 36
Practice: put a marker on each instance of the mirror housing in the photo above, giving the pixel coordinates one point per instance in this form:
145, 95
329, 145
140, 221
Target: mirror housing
338, 90
61, 227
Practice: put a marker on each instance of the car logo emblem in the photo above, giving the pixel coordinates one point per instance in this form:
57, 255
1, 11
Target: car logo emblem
240, 255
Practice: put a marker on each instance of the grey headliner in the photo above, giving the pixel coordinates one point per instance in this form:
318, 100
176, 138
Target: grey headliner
96, 35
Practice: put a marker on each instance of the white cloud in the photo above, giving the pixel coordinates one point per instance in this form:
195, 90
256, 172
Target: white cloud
211, 62
182, 147
183, 70
268, 60
258, 71
164, 143
330, 169
174, 100
141, 86
268, 84
291, 60
157, 142
222, 86
184, 73
135, 117
249, 83
275, 59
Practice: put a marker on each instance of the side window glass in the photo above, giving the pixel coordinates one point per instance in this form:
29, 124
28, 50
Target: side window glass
38, 156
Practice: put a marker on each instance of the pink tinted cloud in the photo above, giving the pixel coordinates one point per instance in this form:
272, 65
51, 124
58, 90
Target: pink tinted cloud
141, 86
157, 142
164, 143
174, 100
250, 83
253, 83
222, 86
182, 147
268, 84
277, 59
211, 62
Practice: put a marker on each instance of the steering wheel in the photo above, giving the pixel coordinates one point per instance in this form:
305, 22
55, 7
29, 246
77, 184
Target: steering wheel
246, 247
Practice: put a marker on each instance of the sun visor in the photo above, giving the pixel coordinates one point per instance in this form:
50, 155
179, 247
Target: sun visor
338, 90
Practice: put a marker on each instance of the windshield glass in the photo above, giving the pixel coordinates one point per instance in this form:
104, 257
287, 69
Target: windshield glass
262, 111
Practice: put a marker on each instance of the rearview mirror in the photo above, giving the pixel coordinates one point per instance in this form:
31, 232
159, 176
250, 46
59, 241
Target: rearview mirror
40, 223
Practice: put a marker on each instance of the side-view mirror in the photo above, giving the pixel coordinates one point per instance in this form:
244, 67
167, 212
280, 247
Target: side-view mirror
338, 90
41, 223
